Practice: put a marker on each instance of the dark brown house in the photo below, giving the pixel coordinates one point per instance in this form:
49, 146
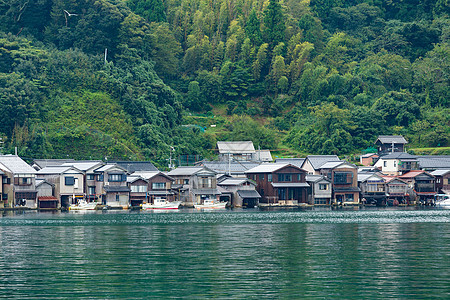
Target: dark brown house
442, 181
344, 179
279, 184
390, 143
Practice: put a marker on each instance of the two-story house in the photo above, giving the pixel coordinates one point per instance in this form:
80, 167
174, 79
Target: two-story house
111, 185
280, 184
397, 163
18, 182
45, 195
390, 143
320, 191
195, 185
396, 190
88, 168
442, 181
373, 188
423, 185
159, 186
68, 182
312, 163
344, 179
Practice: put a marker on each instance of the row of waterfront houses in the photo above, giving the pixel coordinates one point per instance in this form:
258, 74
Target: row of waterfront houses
314, 180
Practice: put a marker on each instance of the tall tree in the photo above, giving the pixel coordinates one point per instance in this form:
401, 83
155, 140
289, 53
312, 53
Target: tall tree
274, 26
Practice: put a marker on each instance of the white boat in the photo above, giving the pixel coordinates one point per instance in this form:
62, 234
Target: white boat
211, 204
161, 203
83, 205
443, 200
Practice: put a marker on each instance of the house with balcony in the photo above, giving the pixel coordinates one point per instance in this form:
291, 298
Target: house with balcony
194, 185
18, 182
442, 180
312, 163
373, 188
390, 144
396, 190
280, 184
111, 185
344, 179
241, 192
159, 186
320, 190
88, 168
68, 182
397, 163
423, 185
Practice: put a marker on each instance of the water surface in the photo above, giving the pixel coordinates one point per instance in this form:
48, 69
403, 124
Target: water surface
313, 254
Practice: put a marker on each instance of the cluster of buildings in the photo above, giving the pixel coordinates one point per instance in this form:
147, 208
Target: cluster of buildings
242, 176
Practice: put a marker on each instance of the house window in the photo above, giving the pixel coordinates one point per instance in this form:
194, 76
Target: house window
91, 190
69, 180
299, 177
75, 183
90, 177
117, 177
205, 182
349, 197
269, 177
100, 177
385, 164
261, 176
343, 177
323, 186
395, 164
138, 188
117, 197
6, 180
158, 185
438, 180
4, 196
284, 177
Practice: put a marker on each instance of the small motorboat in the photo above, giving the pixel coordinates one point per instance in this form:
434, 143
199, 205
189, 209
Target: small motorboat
161, 203
83, 205
442, 200
211, 204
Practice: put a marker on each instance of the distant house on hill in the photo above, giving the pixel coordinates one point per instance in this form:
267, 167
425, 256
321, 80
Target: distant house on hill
397, 163
368, 159
390, 143
242, 151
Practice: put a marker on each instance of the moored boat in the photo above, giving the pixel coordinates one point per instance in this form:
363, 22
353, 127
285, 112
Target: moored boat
211, 204
442, 200
83, 205
161, 203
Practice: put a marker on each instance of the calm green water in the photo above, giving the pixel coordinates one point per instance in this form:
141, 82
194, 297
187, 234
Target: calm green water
368, 254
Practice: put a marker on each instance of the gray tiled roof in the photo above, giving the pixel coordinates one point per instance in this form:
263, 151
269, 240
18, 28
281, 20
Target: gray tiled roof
42, 163
298, 162
236, 147
185, 171
57, 170
16, 165
115, 188
266, 168
235, 167
83, 166
399, 155
233, 181
134, 166
249, 194
318, 160
440, 172
434, 162
388, 139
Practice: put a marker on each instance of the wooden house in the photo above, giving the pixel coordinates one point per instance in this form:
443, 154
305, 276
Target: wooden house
312, 163
423, 185
390, 143
18, 182
195, 185
280, 184
45, 195
373, 188
344, 179
138, 190
159, 185
320, 190
242, 191
396, 190
442, 181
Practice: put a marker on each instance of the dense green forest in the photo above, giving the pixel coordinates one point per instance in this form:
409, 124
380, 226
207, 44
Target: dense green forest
96, 79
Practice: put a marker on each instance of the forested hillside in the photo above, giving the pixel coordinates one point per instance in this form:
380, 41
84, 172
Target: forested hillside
118, 79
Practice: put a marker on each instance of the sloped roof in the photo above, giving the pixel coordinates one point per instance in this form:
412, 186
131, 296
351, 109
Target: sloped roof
263, 155
40, 181
413, 173
234, 167
334, 164
131, 179
57, 170
316, 178
135, 166
109, 166
365, 176
16, 165
434, 162
399, 155
318, 160
84, 165
236, 147
441, 172
388, 139
266, 168
368, 155
389, 179
187, 171
42, 163
248, 194
235, 181
298, 162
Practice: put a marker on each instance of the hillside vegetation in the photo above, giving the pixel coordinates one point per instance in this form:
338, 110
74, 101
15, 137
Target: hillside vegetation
118, 79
